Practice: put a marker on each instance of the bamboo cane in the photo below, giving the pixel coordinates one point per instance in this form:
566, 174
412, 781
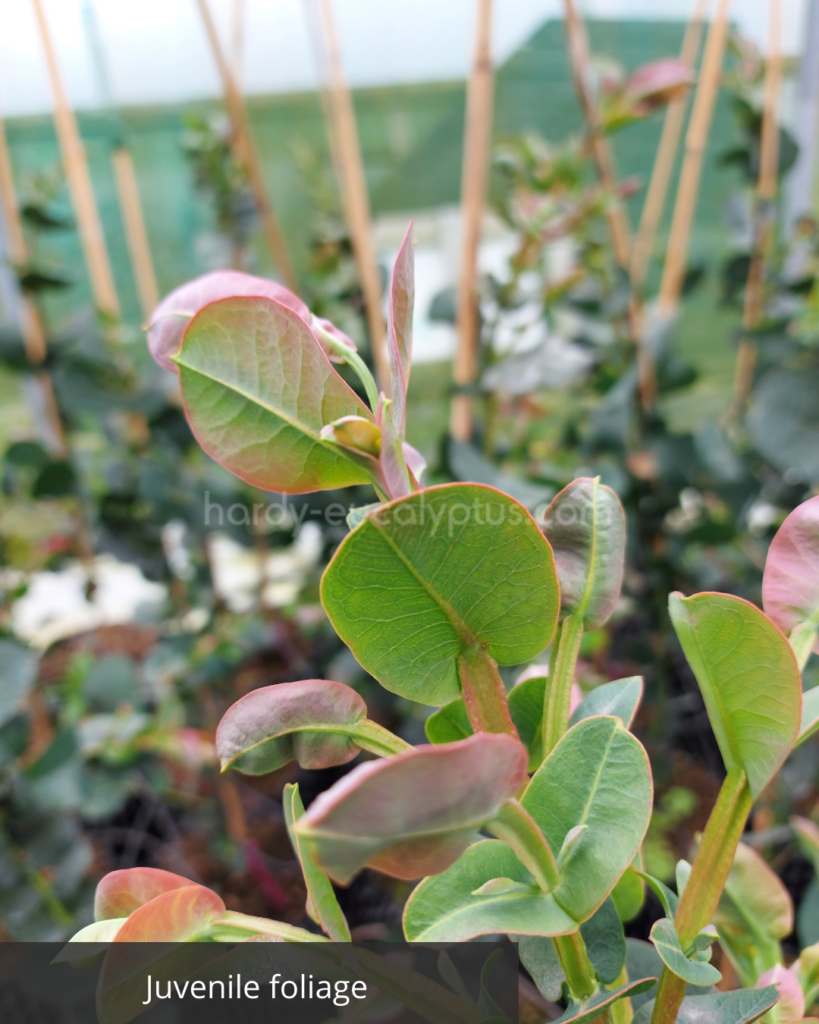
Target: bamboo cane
135, 234
247, 155
346, 153
696, 137
664, 160
581, 67
238, 40
765, 215
79, 181
475, 172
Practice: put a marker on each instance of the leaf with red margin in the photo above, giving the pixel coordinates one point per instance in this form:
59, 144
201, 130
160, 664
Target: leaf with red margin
399, 329
174, 312
413, 814
258, 389
309, 721
120, 893
790, 583
394, 471
180, 915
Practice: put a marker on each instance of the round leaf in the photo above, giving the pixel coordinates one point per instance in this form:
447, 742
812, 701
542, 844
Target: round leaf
749, 679
179, 915
667, 943
605, 942
598, 776
120, 893
428, 576
444, 908
784, 420
19, 672
790, 583
309, 721
586, 527
258, 389
415, 813
739, 1007
595, 1006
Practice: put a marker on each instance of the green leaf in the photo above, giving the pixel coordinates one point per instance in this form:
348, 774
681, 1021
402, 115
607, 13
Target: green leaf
749, 679
430, 576
539, 956
258, 388
356, 515
322, 904
526, 708
18, 674
739, 1007
669, 900
605, 942
620, 698
443, 908
807, 836
312, 721
597, 776
810, 714
179, 915
790, 583
449, 723
783, 419
586, 527
577, 1012
754, 914
415, 813
807, 918
667, 943
629, 894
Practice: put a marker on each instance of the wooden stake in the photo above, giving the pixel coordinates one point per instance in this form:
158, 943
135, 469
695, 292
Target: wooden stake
79, 181
247, 155
664, 160
695, 140
474, 176
765, 213
581, 66
346, 152
238, 40
135, 233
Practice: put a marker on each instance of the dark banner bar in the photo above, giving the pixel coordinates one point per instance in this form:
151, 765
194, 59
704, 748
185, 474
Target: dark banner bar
250, 982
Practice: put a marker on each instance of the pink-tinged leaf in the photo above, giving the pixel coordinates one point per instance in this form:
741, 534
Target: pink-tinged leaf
791, 1004
172, 315
413, 814
120, 893
258, 389
310, 721
807, 836
399, 329
586, 526
790, 583
179, 915
395, 476
416, 463
658, 83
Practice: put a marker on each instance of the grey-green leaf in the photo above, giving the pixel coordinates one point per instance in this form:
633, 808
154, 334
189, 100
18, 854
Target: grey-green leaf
597, 776
526, 708
443, 908
620, 698
449, 723
586, 527
667, 943
322, 904
810, 714
430, 576
748, 677
18, 672
577, 1013
539, 956
605, 942
742, 1006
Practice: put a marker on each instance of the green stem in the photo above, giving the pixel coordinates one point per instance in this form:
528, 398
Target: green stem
516, 827
233, 925
709, 873
559, 688
622, 1011
484, 693
571, 950
354, 360
374, 737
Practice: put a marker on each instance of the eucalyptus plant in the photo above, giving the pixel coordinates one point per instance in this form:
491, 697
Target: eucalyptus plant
521, 816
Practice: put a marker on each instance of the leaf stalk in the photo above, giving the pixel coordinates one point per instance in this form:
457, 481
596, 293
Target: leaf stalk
484, 693
354, 360
371, 736
556, 707
571, 950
